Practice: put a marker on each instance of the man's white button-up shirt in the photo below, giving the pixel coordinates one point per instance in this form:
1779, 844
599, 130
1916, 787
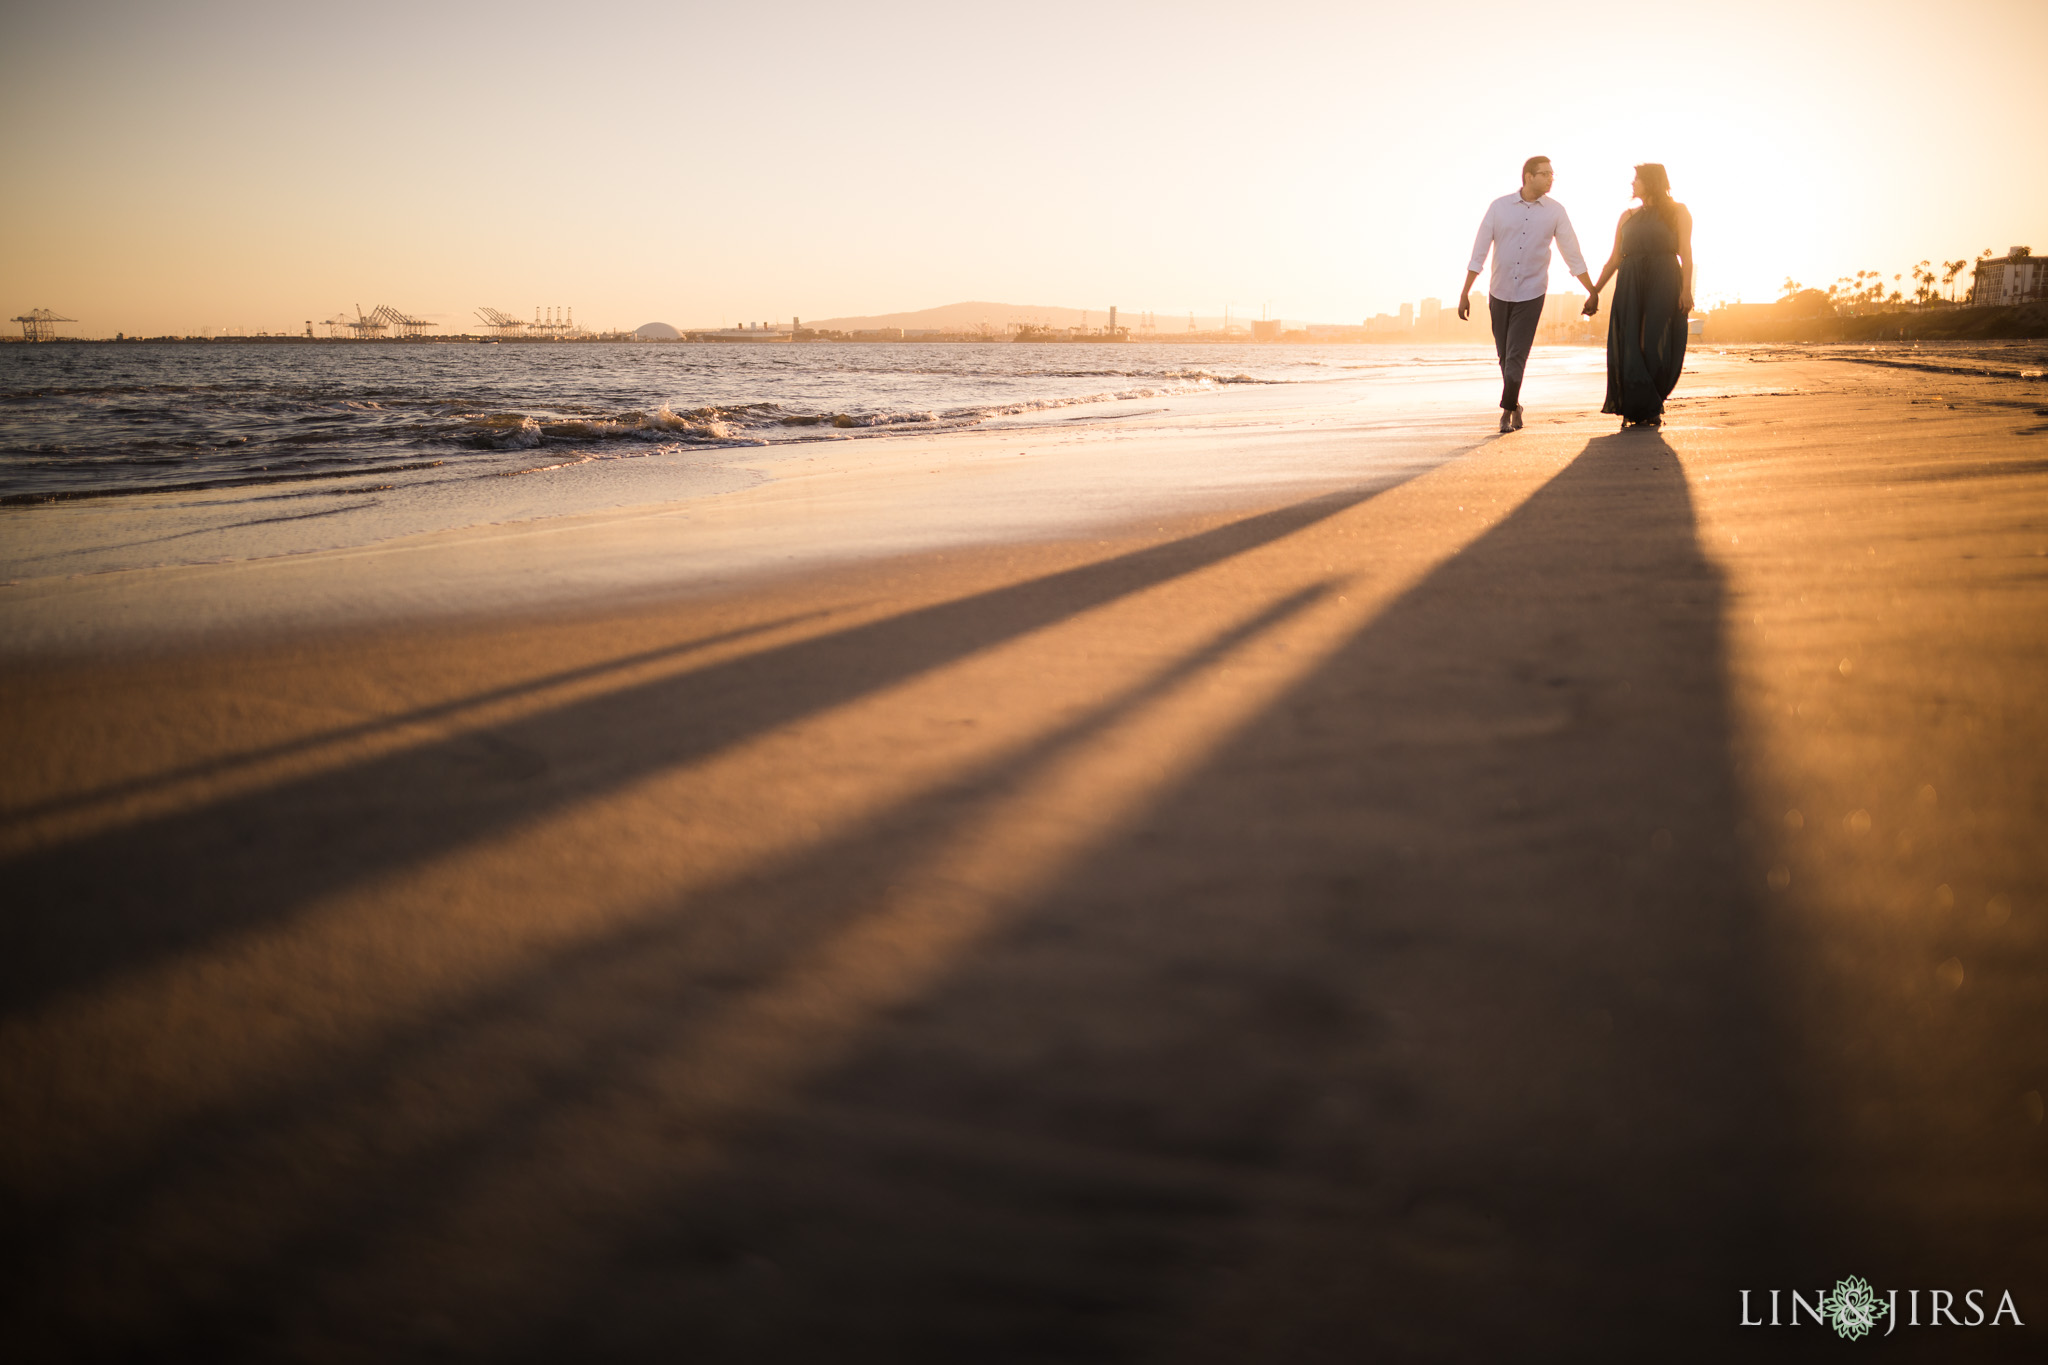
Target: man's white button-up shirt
1519, 234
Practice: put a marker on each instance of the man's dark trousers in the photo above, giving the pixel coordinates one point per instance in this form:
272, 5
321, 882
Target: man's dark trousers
1514, 332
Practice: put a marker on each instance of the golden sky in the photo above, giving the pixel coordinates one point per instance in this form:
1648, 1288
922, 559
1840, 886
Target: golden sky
177, 166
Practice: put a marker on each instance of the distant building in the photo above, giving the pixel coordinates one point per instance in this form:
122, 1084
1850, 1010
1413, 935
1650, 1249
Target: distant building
1266, 329
658, 331
2016, 277
1407, 316
1432, 320
1564, 322
748, 331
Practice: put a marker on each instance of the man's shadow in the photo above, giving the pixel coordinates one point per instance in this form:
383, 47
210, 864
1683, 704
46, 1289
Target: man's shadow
1429, 1018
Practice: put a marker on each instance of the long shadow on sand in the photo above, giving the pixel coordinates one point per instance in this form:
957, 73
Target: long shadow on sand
116, 900
1427, 1021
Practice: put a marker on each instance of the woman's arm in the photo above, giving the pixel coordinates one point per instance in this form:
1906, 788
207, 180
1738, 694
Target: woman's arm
1685, 259
1607, 271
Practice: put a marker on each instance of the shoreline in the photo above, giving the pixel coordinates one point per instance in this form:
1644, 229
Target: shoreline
488, 416
776, 509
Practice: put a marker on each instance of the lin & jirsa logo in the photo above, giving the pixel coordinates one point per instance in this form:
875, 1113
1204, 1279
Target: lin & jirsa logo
1854, 1309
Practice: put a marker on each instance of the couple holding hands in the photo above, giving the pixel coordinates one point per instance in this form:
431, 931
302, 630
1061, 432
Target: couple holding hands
1651, 266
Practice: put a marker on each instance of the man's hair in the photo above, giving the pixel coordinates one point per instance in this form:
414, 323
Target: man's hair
1529, 166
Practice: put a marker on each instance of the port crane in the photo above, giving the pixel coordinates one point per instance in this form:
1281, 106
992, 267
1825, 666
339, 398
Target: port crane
560, 322
501, 324
39, 324
401, 324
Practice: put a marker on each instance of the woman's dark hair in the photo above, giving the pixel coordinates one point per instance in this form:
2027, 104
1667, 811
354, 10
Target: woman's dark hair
1656, 187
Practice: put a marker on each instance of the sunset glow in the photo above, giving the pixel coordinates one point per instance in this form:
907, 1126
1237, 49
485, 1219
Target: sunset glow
181, 167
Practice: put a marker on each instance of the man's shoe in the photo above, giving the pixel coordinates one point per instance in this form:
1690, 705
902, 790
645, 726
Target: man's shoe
1518, 417
1507, 421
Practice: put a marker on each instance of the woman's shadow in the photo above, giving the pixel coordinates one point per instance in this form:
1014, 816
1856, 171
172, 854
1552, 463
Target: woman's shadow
1429, 1017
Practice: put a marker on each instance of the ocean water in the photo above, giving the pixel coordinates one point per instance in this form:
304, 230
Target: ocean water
97, 421
136, 456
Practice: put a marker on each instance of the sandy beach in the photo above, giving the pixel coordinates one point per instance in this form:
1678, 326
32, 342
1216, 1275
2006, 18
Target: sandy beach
1227, 880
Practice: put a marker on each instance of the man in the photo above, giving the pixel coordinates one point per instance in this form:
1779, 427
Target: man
1518, 229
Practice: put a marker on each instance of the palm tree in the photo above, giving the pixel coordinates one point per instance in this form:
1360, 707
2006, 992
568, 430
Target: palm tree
1949, 271
1923, 283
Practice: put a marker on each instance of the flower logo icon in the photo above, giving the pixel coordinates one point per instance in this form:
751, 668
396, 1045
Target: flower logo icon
1853, 1308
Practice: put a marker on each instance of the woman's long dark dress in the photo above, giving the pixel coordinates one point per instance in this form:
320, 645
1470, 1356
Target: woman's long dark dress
1646, 330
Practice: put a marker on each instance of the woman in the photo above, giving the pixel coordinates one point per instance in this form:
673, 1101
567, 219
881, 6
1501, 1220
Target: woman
1652, 299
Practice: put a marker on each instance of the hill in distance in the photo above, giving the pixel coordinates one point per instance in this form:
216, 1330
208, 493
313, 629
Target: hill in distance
954, 317
960, 317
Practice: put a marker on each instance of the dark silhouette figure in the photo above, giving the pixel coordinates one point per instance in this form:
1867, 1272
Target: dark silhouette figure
1652, 298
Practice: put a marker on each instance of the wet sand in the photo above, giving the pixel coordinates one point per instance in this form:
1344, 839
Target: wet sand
1340, 919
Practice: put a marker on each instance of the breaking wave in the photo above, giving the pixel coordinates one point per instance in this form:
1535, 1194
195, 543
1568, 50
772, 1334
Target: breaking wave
765, 422
753, 424
523, 431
